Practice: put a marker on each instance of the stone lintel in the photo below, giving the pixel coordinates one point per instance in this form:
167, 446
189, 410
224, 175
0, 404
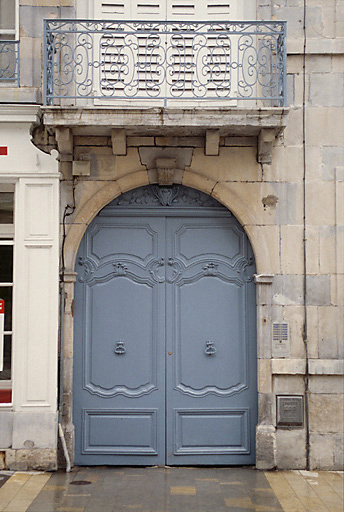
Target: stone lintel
119, 142
212, 142
266, 140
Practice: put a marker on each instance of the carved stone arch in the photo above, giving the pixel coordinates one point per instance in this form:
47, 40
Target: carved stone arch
222, 192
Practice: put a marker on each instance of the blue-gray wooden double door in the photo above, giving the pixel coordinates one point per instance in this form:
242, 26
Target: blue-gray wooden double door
165, 352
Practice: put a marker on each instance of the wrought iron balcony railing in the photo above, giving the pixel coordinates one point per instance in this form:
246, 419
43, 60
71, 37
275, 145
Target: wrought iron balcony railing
240, 63
9, 62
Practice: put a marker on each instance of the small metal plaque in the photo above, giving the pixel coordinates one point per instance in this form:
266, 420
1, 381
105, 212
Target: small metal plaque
289, 411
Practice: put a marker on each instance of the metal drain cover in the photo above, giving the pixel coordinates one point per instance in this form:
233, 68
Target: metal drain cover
80, 482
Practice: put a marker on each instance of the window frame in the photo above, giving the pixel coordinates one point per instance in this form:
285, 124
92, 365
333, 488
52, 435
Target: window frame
7, 239
15, 30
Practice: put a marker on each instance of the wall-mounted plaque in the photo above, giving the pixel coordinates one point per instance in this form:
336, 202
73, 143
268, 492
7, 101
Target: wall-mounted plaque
289, 411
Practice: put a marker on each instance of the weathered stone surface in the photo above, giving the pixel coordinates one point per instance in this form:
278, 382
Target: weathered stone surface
264, 376
326, 89
326, 413
288, 290
326, 367
34, 430
326, 451
318, 290
232, 164
290, 449
330, 327
292, 249
288, 366
288, 384
329, 384
6, 428
265, 447
25, 460
266, 409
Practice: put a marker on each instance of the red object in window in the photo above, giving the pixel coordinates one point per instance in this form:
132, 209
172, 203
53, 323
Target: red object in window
2, 306
3, 150
5, 396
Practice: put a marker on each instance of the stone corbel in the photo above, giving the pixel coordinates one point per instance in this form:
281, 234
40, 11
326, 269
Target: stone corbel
266, 139
212, 143
64, 139
119, 142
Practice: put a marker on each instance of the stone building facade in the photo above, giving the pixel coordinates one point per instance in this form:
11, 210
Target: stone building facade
278, 169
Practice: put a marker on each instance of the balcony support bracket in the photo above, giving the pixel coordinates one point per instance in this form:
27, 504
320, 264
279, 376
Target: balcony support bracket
266, 139
119, 142
212, 143
64, 139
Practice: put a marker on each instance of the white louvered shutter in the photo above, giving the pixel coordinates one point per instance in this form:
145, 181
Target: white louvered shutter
131, 64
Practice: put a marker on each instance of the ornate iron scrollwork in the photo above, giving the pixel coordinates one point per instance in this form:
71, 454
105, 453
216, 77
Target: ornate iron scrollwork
210, 348
120, 348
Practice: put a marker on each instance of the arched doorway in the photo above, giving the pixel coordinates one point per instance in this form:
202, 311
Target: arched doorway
165, 333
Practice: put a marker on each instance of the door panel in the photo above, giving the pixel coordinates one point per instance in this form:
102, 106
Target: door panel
164, 358
209, 366
119, 367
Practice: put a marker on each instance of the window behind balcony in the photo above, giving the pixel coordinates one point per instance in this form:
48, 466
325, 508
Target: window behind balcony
9, 34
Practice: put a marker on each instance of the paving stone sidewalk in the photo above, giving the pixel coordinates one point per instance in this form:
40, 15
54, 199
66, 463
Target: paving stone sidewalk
171, 489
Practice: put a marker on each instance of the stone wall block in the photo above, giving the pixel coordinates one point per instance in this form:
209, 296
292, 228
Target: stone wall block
318, 290
294, 315
34, 430
318, 64
24, 460
264, 331
288, 290
286, 165
287, 384
326, 384
326, 89
330, 326
337, 289
6, 426
312, 249
313, 331
323, 448
292, 249
264, 376
327, 242
293, 131
331, 156
326, 413
320, 203
339, 452
266, 409
291, 449
30, 61
265, 447
31, 17
232, 164
325, 127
